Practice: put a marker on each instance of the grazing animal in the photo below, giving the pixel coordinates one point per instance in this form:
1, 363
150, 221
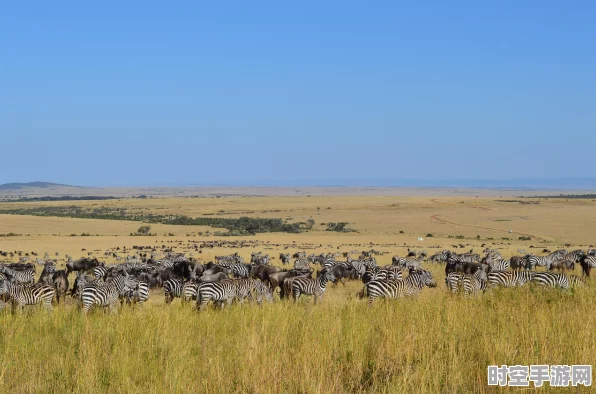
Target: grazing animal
32, 294
587, 262
510, 278
172, 289
391, 289
472, 284
218, 292
543, 261
106, 294
550, 279
315, 287
60, 283
20, 277
285, 258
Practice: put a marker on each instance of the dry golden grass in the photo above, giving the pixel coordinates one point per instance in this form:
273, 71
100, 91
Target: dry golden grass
433, 343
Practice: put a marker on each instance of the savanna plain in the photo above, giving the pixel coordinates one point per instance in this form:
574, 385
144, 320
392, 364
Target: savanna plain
432, 343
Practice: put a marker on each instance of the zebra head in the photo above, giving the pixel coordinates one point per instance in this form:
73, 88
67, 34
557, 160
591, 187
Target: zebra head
423, 277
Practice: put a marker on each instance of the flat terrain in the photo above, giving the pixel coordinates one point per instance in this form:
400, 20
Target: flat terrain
432, 343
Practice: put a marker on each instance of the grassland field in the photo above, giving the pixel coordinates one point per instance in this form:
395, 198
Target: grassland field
435, 343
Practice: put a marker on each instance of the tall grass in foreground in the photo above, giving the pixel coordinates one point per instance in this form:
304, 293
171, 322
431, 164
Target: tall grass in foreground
434, 343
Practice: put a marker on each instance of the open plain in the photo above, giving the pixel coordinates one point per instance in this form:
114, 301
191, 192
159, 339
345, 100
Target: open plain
434, 342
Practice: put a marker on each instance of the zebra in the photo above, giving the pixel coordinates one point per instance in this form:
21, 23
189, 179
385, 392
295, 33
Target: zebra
100, 272
497, 264
22, 295
302, 263
472, 284
172, 289
22, 277
315, 287
453, 280
382, 273
441, 256
391, 289
139, 295
189, 291
218, 292
551, 280
107, 293
405, 262
510, 278
543, 261
239, 270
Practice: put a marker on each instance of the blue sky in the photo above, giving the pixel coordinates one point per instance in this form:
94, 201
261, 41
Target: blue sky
170, 93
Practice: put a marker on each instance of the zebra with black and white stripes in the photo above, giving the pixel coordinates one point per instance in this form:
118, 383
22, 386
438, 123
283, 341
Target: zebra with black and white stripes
220, 293
472, 284
106, 294
172, 289
510, 278
406, 262
453, 281
189, 291
23, 277
139, 295
440, 257
239, 270
29, 294
391, 289
543, 261
100, 272
315, 287
497, 264
550, 279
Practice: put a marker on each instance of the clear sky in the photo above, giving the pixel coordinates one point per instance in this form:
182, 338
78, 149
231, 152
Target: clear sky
166, 93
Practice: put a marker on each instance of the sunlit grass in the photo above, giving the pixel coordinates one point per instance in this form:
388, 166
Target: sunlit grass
432, 343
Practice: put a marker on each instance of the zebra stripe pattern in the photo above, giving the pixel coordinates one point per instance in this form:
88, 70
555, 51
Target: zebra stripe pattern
510, 278
22, 295
106, 294
22, 277
315, 287
172, 289
218, 292
391, 289
550, 279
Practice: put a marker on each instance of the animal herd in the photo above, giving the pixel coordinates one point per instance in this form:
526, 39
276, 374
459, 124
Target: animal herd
230, 278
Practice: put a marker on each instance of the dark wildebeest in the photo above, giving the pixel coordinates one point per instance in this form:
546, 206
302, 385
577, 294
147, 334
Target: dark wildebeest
562, 265
262, 272
517, 262
341, 271
466, 268
60, 283
587, 262
83, 264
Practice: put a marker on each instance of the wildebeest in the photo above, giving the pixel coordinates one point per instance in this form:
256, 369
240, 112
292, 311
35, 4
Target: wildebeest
466, 268
60, 283
83, 264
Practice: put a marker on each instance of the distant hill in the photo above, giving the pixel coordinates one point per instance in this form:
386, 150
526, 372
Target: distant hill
20, 186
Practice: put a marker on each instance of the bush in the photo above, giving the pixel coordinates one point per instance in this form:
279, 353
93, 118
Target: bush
144, 230
429, 235
525, 238
341, 227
